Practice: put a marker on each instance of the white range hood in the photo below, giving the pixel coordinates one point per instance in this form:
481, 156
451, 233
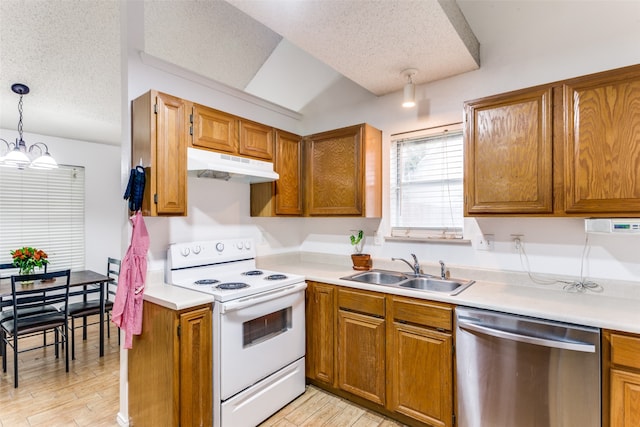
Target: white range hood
210, 164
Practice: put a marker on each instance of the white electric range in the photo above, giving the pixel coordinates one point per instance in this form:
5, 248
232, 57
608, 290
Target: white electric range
258, 327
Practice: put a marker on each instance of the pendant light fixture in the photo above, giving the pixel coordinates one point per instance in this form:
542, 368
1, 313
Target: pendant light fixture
17, 154
409, 98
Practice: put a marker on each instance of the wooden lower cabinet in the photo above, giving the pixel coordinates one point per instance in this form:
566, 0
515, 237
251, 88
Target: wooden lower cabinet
361, 355
625, 398
420, 354
392, 354
320, 319
621, 355
170, 368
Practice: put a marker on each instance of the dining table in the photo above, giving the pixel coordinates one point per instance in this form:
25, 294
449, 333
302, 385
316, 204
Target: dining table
90, 281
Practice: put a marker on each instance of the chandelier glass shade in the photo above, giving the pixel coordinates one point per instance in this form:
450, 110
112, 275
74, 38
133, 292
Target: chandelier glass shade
18, 154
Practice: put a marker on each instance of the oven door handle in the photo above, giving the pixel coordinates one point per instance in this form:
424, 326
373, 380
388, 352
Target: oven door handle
241, 303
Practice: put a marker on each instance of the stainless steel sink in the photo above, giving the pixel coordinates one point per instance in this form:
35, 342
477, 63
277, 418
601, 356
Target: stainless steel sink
411, 281
378, 277
449, 286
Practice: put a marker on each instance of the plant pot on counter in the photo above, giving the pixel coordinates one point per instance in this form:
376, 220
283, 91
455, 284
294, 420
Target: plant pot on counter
361, 261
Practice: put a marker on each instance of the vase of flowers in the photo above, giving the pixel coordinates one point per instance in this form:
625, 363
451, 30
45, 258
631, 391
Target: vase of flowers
27, 259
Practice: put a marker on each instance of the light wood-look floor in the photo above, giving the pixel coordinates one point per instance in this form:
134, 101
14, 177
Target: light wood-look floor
48, 396
89, 394
317, 408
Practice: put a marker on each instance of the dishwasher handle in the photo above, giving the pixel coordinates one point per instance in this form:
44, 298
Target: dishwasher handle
545, 342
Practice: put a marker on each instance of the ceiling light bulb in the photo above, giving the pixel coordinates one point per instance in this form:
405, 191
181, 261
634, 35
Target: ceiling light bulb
409, 94
409, 99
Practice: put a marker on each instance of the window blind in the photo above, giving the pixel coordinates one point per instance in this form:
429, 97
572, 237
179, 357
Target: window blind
43, 209
426, 186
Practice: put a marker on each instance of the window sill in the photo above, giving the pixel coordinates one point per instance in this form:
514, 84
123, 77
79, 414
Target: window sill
437, 240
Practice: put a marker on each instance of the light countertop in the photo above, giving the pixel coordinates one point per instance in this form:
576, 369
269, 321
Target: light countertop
616, 307
172, 297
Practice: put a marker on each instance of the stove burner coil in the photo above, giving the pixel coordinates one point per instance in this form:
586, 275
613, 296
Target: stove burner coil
205, 282
232, 285
276, 277
252, 273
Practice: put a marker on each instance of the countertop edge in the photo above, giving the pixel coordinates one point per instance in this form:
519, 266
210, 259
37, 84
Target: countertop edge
541, 301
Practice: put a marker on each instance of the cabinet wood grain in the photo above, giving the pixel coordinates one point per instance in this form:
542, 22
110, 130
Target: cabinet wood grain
214, 130
344, 172
620, 379
361, 355
170, 368
602, 142
321, 326
159, 135
256, 140
421, 374
508, 159
284, 196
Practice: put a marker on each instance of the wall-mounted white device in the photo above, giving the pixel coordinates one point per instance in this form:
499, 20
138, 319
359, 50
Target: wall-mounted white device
628, 226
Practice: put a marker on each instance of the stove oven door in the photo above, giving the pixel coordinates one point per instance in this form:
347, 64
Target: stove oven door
259, 335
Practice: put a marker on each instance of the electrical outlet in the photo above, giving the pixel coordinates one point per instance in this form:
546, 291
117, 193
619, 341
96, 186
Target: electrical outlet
484, 242
518, 240
377, 238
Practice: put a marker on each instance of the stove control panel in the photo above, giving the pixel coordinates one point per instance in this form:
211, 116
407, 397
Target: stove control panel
200, 253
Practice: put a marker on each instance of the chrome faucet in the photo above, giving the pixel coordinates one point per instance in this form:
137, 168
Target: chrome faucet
415, 267
443, 270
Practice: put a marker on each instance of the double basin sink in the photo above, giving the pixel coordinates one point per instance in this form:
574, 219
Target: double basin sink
423, 282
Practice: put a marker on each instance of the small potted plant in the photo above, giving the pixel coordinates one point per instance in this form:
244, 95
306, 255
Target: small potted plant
360, 261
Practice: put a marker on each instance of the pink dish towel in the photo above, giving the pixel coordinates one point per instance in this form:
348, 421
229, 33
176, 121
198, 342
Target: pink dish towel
127, 307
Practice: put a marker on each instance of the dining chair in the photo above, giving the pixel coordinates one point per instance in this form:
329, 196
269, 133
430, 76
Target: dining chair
28, 320
7, 313
85, 308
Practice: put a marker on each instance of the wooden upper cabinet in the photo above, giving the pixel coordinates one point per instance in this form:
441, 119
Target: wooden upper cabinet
344, 172
288, 164
509, 153
284, 196
214, 130
335, 173
602, 142
256, 140
159, 135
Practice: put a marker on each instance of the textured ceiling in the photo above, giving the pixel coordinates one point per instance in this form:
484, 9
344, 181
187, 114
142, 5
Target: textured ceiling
287, 52
372, 41
68, 52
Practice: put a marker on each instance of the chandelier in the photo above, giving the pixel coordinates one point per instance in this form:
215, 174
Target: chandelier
17, 154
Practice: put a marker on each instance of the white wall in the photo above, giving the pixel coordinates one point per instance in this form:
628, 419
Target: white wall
554, 245
104, 206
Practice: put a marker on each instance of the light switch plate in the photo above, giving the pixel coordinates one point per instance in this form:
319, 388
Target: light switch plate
484, 242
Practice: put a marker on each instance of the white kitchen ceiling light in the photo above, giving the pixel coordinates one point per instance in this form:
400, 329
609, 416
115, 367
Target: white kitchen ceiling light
17, 154
409, 98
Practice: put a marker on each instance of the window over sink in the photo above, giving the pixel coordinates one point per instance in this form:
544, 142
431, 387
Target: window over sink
44, 209
427, 183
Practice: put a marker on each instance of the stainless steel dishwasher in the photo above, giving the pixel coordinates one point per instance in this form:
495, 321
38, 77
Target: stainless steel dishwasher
515, 371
